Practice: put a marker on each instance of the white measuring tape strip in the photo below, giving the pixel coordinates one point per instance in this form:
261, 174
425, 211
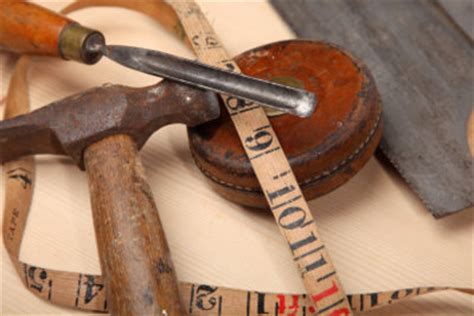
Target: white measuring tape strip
273, 171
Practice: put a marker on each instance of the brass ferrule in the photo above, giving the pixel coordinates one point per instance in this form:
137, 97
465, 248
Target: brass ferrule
80, 43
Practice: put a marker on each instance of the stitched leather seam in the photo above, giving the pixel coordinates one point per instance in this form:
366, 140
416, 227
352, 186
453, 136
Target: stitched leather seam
324, 174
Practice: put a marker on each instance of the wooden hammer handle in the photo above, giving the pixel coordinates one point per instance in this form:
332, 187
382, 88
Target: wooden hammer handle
27, 28
134, 255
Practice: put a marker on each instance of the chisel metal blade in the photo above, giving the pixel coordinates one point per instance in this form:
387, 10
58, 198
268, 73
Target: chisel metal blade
282, 98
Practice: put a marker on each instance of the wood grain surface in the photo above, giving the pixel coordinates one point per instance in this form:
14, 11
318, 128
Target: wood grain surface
379, 234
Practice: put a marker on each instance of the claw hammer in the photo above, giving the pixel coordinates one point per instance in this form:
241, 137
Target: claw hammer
102, 129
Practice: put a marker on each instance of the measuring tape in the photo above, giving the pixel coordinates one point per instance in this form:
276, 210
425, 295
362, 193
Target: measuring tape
273, 171
324, 294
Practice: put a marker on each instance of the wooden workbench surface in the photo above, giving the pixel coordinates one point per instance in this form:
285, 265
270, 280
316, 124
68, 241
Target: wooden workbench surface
380, 235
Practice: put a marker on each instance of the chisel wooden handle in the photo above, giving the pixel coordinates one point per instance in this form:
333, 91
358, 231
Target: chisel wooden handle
28, 28
134, 255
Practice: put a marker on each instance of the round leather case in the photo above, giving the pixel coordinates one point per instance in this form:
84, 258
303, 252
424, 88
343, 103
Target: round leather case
324, 150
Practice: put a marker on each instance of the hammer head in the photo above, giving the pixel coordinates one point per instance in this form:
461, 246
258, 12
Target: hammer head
69, 126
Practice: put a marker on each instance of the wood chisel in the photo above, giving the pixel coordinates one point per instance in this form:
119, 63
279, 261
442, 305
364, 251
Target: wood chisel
31, 29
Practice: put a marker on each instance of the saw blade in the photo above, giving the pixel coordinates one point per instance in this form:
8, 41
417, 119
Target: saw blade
425, 82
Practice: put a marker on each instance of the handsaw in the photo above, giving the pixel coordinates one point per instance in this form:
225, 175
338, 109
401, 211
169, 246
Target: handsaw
427, 95
62, 287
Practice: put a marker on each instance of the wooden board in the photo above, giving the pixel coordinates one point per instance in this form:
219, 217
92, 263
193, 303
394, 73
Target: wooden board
419, 59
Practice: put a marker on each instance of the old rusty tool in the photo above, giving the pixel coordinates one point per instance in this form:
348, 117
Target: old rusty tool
427, 95
86, 291
29, 28
101, 130
324, 150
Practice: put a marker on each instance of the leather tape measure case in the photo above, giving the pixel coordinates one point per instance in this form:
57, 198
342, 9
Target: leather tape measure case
324, 150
